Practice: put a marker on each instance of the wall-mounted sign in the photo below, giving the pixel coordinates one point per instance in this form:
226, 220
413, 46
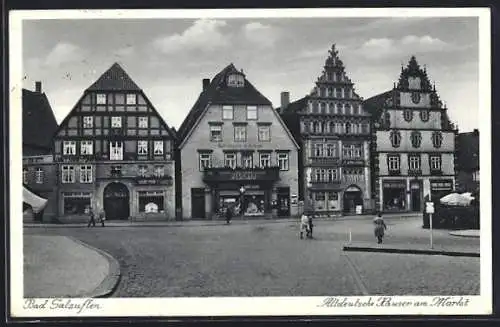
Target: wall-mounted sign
444, 185
216, 175
154, 181
353, 162
394, 184
240, 145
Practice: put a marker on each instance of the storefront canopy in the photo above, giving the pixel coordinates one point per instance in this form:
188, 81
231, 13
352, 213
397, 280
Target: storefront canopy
455, 199
37, 203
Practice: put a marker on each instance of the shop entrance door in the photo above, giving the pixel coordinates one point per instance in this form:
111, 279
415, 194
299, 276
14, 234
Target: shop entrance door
197, 203
283, 202
416, 196
352, 198
116, 201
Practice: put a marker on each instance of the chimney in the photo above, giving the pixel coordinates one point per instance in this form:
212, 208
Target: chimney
38, 87
206, 83
285, 99
475, 131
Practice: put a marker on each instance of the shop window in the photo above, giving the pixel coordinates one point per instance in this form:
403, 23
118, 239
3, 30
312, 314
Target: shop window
158, 148
251, 112
394, 196
86, 174
143, 122
424, 115
86, 147
131, 99
408, 115
205, 161
395, 139
69, 148
39, 175
416, 139
25, 176
230, 160
227, 112
254, 204
264, 160
264, 133
215, 133
247, 160
142, 147
240, 133
437, 139
76, 203
414, 162
68, 174
88, 122
101, 98
151, 201
283, 161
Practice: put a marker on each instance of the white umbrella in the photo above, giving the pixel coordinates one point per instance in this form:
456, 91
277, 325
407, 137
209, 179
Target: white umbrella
37, 203
455, 199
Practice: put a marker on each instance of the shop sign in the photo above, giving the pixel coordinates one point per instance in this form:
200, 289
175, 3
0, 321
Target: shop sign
353, 162
240, 145
391, 184
441, 185
152, 181
244, 175
241, 175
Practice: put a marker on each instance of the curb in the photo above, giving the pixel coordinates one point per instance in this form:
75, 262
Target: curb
410, 251
464, 235
110, 282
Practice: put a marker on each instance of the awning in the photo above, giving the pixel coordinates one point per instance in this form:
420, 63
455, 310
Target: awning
37, 203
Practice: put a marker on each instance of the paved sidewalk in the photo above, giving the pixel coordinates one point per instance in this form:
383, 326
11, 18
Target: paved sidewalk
59, 266
466, 233
457, 251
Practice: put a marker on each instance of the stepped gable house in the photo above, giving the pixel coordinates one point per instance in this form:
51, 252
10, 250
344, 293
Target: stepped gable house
236, 151
39, 126
414, 143
333, 131
115, 152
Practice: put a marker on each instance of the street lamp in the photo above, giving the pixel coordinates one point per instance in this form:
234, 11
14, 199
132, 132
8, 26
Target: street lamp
242, 191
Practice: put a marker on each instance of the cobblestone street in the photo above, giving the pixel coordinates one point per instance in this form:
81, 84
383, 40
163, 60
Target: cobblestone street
268, 259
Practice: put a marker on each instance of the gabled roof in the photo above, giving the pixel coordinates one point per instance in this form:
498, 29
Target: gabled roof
413, 69
294, 107
39, 122
114, 79
217, 92
468, 151
376, 104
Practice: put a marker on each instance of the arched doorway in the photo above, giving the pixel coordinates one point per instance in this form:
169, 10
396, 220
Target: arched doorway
116, 201
352, 197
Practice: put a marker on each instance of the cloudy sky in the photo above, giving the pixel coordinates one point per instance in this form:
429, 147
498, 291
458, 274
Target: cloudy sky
168, 58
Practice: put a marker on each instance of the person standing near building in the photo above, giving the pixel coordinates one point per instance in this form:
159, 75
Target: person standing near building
380, 227
229, 214
91, 216
102, 216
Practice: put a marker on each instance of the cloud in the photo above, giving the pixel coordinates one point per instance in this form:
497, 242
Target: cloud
63, 53
260, 34
204, 34
124, 52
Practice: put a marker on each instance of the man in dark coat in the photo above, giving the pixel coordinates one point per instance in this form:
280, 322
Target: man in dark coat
229, 215
91, 217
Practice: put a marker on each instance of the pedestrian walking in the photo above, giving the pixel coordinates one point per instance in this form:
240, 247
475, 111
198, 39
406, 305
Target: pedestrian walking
305, 225
229, 215
380, 227
91, 216
102, 217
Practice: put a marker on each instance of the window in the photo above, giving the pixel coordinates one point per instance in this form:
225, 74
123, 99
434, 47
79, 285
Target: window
205, 161
116, 150
323, 107
230, 160
227, 112
39, 175
408, 115
247, 160
393, 163
348, 128
416, 139
316, 127
395, 138
25, 176
101, 98
330, 92
240, 133
365, 129
116, 122
355, 109
332, 127
69, 147
251, 112
142, 147
88, 122
158, 148
330, 150
332, 175
323, 175
76, 203
159, 171
264, 133
319, 196
475, 176
437, 139
143, 122
86, 174
215, 133
131, 99
86, 147
68, 174
338, 93
317, 175
347, 109
424, 115
318, 150
151, 201
236, 80
143, 170
283, 162
265, 160
351, 151
435, 162
116, 171
414, 162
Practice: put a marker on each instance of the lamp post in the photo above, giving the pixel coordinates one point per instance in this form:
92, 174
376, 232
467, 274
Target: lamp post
242, 191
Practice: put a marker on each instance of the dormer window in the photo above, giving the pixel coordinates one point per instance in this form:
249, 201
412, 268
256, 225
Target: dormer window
235, 80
